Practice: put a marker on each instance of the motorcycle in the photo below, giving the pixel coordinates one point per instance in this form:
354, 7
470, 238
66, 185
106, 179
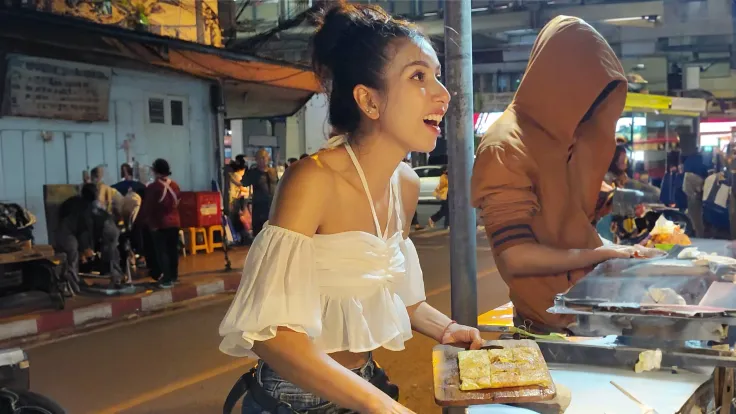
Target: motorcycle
15, 394
635, 210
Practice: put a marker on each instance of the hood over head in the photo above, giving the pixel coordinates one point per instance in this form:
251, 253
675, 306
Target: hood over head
572, 72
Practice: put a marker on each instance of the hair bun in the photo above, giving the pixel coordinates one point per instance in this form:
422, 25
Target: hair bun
337, 27
349, 49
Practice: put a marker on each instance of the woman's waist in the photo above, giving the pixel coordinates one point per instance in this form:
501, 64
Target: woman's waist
354, 361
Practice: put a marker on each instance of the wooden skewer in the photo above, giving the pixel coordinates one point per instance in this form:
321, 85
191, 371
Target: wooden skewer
626, 393
642, 406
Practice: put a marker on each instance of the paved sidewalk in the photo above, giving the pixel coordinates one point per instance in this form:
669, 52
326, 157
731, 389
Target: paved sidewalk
199, 275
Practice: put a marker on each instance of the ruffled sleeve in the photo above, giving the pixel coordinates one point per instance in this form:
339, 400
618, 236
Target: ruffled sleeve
277, 289
411, 287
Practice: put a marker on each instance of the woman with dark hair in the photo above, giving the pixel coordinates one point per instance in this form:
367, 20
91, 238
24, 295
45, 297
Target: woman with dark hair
160, 211
617, 175
333, 274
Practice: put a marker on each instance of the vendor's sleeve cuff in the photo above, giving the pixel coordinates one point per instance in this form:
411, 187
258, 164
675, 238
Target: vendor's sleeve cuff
510, 234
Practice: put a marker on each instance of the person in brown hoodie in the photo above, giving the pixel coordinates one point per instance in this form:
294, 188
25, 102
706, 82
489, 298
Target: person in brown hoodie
539, 168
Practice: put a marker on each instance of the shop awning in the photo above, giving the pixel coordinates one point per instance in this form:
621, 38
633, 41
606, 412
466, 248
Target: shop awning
259, 87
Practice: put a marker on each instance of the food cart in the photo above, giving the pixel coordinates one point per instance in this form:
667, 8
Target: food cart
625, 308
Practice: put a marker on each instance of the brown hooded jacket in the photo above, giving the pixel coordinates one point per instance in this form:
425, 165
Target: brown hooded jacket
539, 167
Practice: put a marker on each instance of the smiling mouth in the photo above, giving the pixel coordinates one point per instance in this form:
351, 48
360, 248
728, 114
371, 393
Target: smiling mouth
433, 120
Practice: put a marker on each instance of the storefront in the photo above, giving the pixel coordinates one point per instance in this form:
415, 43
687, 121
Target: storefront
653, 126
716, 133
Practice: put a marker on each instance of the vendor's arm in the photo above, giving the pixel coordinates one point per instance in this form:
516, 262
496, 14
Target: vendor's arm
502, 189
289, 286
425, 319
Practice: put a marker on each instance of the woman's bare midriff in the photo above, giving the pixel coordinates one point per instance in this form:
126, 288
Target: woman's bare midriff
350, 360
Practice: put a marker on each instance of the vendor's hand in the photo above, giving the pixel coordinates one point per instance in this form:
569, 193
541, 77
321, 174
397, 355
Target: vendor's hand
647, 252
617, 251
614, 251
464, 335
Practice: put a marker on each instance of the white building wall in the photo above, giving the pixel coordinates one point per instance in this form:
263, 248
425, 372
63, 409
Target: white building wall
295, 135
236, 127
316, 126
28, 161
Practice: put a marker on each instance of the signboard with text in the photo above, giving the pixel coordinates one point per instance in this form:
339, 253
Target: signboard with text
52, 89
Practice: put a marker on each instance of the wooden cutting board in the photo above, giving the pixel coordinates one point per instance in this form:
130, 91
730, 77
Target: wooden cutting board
447, 380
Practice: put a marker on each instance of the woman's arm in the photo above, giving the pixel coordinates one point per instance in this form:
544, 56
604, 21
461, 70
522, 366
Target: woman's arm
298, 206
424, 318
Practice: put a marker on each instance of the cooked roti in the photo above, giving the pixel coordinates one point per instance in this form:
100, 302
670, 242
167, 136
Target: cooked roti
501, 368
475, 370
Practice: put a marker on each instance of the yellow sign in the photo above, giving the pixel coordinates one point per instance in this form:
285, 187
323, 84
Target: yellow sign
646, 101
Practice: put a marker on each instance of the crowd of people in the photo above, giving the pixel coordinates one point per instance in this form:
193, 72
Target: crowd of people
90, 225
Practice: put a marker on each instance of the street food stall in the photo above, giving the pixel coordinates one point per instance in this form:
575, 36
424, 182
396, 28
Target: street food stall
654, 331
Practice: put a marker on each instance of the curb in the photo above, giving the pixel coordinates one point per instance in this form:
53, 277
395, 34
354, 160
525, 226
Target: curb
115, 308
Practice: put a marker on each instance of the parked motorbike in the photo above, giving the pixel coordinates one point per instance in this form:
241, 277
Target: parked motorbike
635, 210
15, 394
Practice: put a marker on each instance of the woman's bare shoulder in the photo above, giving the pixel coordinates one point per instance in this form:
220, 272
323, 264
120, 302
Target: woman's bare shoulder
301, 195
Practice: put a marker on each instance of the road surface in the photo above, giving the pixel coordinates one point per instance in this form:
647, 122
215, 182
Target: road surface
170, 363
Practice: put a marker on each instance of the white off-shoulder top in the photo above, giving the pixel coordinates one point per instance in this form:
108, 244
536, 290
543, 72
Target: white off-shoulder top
346, 291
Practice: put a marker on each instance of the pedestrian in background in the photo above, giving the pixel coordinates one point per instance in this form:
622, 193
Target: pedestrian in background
238, 195
440, 193
160, 211
263, 179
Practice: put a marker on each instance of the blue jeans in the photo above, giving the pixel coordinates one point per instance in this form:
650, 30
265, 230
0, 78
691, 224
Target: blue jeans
295, 399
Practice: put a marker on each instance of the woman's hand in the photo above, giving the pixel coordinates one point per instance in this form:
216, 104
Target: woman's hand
461, 334
387, 406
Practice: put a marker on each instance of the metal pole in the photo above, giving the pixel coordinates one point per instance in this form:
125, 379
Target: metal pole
460, 146
218, 97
